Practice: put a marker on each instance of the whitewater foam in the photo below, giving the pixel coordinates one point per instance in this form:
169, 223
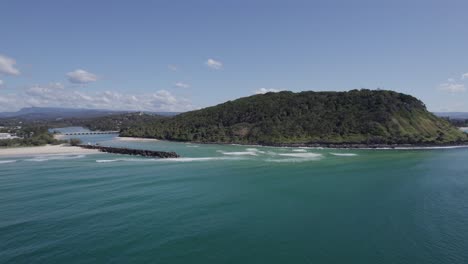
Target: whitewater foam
256, 150
239, 153
299, 150
302, 155
43, 158
105, 161
344, 154
7, 161
170, 159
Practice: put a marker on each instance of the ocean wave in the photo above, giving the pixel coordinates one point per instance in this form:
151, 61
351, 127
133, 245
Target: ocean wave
7, 161
344, 154
299, 150
297, 157
170, 159
197, 159
239, 153
292, 160
55, 157
106, 161
302, 155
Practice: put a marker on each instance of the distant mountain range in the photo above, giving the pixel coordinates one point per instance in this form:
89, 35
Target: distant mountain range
54, 113
453, 115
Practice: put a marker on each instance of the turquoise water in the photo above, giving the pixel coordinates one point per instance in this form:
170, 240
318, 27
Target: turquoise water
236, 204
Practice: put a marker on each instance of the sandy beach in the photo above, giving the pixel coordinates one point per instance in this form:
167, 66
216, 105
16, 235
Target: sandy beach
45, 150
136, 139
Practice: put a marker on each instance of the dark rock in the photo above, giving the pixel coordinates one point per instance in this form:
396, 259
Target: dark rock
134, 152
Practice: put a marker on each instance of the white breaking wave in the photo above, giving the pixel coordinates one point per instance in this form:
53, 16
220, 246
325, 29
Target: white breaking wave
256, 150
7, 161
197, 159
292, 160
239, 153
105, 161
344, 154
55, 157
192, 146
169, 159
302, 155
299, 150
297, 157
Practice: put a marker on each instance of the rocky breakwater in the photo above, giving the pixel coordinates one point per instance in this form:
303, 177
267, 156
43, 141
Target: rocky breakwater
134, 152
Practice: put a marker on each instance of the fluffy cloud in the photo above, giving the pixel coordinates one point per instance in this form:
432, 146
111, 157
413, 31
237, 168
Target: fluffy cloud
172, 67
54, 95
265, 90
81, 77
181, 85
7, 66
464, 76
1, 83
217, 65
452, 87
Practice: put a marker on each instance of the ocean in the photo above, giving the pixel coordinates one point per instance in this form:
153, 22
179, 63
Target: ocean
235, 204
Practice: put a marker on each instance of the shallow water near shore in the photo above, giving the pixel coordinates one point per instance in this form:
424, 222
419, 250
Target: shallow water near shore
235, 204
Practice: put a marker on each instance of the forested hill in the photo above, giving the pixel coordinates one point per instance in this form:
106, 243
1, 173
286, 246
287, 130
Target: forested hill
354, 117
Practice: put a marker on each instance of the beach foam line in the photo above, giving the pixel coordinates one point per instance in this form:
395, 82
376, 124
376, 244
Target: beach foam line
7, 161
344, 154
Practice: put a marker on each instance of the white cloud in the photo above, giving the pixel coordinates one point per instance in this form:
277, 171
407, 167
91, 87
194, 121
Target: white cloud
181, 85
265, 90
81, 76
452, 87
1, 83
54, 95
464, 76
7, 66
217, 65
172, 67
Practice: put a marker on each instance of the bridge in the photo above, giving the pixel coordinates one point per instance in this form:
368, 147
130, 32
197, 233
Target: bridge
89, 133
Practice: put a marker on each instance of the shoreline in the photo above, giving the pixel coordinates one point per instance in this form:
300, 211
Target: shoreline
338, 146
45, 150
330, 145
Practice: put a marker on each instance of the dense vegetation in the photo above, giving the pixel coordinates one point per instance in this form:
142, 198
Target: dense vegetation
459, 122
354, 117
30, 136
110, 122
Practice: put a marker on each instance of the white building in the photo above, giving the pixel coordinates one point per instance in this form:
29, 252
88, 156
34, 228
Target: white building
7, 136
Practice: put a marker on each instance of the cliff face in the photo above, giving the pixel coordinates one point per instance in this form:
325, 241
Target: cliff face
354, 117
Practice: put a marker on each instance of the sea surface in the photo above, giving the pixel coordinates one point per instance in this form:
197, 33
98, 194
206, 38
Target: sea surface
235, 204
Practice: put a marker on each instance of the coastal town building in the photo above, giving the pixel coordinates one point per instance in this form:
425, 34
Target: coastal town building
7, 136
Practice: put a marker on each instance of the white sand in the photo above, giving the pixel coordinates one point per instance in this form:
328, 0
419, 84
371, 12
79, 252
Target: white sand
136, 139
45, 150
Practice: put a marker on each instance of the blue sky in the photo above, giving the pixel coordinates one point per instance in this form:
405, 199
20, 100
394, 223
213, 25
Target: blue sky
182, 55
